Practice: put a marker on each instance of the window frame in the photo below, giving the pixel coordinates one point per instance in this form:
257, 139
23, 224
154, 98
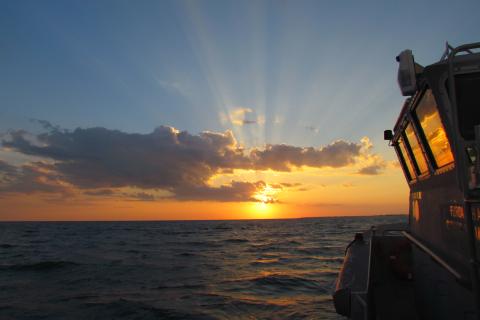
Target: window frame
404, 158
445, 93
421, 133
410, 149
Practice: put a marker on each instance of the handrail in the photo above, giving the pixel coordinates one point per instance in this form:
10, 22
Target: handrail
434, 256
392, 230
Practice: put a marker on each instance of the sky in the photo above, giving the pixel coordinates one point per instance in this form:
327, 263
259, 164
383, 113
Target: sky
146, 110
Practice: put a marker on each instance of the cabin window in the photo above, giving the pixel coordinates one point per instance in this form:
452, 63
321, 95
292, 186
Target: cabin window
433, 130
421, 163
405, 159
468, 103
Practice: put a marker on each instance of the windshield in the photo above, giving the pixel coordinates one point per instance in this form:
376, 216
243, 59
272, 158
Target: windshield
433, 130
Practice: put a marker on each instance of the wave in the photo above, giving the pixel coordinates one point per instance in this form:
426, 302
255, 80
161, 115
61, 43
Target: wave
6, 246
182, 286
225, 307
285, 281
265, 262
319, 250
40, 266
330, 259
128, 309
265, 248
207, 243
188, 254
279, 283
223, 227
236, 240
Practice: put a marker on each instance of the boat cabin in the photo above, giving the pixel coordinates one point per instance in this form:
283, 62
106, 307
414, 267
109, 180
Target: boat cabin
428, 268
437, 141
436, 144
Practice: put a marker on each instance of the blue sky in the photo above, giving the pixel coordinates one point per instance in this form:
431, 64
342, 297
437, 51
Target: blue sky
247, 108
313, 71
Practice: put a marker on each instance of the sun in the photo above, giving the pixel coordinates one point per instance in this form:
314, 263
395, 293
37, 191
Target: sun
266, 195
261, 210
263, 207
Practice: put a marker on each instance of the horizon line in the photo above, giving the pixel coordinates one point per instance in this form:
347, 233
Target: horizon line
197, 220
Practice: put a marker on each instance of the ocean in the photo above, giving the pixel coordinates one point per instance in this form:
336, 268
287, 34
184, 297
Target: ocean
250, 269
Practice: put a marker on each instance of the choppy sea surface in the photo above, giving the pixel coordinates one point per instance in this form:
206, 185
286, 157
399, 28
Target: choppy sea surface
254, 269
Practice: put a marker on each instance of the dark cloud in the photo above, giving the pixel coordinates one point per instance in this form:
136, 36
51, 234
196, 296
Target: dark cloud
101, 192
143, 196
165, 159
284, 185
7, 170
283, 157
235, 191
46, 124
372, 170
34, 177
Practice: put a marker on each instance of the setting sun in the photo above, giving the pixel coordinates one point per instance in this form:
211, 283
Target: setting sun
262, 210
267, 195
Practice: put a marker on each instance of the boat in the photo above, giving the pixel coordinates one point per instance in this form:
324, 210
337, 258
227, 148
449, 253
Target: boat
427, 268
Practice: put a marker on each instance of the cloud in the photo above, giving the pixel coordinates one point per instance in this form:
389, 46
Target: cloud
235, 191
7, 170
143, 196
283, 157
30, 178
278, 120
100, 192
312, 129
286, 185
348, 185
99, 162
374, 169
242, 116
373, 163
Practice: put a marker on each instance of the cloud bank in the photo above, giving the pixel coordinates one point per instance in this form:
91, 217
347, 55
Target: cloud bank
98, 160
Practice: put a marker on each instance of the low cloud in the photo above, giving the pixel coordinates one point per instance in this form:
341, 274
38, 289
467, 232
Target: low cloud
30, 178
101, 192
282, 157
372, 170
99, 162
235, 191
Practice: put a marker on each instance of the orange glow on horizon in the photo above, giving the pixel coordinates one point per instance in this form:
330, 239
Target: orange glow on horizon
34, 208
306, 193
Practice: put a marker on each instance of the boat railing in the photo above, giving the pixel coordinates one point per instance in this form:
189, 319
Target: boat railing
434, 256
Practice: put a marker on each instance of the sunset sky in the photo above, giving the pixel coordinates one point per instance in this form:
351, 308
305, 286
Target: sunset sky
114, 110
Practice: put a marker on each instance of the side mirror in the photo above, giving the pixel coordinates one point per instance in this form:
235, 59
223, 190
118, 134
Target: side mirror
387, 135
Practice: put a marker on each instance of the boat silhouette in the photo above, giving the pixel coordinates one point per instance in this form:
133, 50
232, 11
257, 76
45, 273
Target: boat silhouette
428, 268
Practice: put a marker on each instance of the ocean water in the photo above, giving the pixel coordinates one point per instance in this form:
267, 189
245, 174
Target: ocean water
255, 269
